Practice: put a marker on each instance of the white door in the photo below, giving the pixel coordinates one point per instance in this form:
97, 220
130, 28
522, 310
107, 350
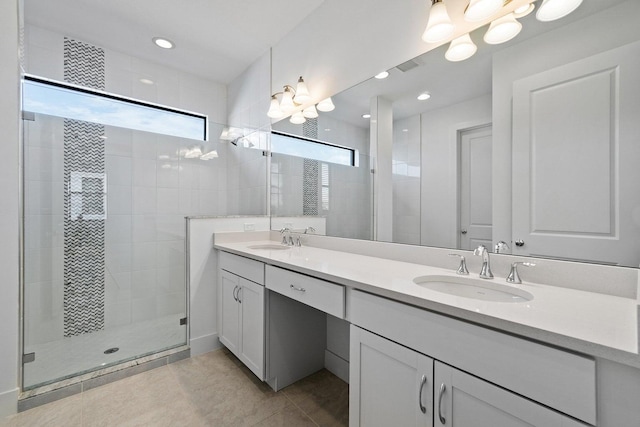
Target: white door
229, 326
251, 301
462, 400
576, 160
475, 188
389, 385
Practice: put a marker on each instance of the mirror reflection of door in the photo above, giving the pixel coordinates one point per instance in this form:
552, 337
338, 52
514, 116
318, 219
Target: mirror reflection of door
475, 225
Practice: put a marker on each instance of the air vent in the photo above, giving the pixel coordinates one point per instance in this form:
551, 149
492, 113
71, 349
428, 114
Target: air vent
406, 66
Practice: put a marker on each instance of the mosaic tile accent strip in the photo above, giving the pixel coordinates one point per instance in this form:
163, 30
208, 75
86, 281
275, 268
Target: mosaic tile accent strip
310, 173
84, 200
83, 64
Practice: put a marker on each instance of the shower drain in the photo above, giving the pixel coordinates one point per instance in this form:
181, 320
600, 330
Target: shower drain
111, 350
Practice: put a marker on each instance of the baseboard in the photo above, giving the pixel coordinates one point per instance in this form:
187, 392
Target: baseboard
336, 365
8, 403
204, 344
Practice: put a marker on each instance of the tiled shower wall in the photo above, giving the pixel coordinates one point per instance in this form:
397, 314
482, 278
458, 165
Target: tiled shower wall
405, 170
150, 190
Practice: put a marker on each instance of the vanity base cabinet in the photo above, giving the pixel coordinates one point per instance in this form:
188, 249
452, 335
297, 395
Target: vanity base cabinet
242, 320
463, 400
389, 384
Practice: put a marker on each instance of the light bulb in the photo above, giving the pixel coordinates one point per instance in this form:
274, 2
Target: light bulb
460, 49
550, 10
325, 105
286, 105
479, 10
297, 118
302, 93
310, 112
439, 27
274, 109
502, 29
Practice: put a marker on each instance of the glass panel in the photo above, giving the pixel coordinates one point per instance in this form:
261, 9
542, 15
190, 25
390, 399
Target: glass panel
334, 199
56, 100
299, 147
105, 241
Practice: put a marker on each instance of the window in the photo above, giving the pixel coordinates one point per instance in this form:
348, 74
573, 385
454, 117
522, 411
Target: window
298, 146
74, 102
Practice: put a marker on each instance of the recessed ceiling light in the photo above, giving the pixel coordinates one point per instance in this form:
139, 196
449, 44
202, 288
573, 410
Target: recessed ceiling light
405, 130
424, 96
327, 130
163, 43
382, 75
366, 116
146, 81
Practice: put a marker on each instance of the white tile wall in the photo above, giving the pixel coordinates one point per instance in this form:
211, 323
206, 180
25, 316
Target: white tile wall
406, 180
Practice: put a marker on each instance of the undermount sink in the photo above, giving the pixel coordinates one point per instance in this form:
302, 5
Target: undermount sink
270, 247
479, 289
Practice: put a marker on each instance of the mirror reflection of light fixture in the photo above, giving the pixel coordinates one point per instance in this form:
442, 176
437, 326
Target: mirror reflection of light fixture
502, 29
424, 96
310, 112
274, 109
479, 10
523, 11
460, 49
286, 105
213, 154
382, 75
550, 10
326, 105
297, 118
439, 26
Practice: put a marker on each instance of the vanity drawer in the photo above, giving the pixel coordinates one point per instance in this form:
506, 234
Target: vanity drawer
244, 267
324, 296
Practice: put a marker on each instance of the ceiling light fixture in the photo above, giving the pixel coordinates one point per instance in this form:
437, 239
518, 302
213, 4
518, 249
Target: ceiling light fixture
550, 10
146, 81
292, 101
503, 29
460, 49
439, 27
163, 43
382, 75
479, 10
424, 96
366, 116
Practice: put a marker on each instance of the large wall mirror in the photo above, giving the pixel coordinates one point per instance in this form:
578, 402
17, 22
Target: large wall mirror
534, 142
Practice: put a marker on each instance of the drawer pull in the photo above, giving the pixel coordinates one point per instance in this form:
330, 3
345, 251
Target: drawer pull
443, 388
295, 288
422, 383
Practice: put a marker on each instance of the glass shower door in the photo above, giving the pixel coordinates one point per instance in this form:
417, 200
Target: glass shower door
104, 247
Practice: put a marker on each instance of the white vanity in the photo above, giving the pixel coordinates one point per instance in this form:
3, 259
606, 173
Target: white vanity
419, 356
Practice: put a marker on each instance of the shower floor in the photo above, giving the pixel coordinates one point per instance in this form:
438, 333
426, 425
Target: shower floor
58, 360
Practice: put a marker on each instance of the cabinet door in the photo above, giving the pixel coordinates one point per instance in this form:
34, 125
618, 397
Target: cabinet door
463, 400
251, 302
389, 385
229, 319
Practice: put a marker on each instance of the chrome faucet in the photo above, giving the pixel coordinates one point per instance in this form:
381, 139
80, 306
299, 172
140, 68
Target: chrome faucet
309, 230
513, 276
485, 270
286, 236
501, 247
462, 268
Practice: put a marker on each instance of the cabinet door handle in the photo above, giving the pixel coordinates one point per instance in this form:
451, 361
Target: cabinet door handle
295, 288
238, 294
235, 289
423, 381
443, 388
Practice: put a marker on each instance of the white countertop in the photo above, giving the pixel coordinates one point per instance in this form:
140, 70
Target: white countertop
592, 323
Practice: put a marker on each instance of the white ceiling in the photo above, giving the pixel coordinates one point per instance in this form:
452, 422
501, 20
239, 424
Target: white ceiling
215, 39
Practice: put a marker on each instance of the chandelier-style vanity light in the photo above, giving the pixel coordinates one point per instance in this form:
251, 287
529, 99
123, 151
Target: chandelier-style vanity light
440, 27
292, 99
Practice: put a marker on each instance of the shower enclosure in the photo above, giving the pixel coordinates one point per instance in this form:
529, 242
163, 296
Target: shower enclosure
104, 244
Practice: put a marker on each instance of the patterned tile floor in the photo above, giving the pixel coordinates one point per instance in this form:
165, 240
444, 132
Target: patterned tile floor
213, 389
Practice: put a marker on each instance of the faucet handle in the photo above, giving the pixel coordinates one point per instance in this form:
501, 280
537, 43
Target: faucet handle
501, 247
309, 230
462, 268
480, 250
513, 276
